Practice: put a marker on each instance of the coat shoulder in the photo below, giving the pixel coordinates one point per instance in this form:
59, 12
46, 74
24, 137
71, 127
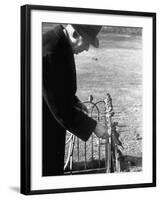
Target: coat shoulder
51, 38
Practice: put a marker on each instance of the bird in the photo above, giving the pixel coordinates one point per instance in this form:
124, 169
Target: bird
90, 98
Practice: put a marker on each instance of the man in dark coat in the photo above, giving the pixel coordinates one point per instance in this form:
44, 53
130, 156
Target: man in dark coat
62, 110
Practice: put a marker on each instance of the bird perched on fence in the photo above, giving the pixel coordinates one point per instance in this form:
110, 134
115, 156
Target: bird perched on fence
116, 136
108, 103
90, 98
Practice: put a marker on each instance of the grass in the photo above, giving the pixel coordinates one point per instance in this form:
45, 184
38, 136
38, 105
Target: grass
116, 68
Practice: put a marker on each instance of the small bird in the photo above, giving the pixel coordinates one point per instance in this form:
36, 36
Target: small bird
90, 98
116, 135
108, 103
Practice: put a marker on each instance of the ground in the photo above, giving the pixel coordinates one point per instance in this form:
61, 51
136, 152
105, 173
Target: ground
116, 68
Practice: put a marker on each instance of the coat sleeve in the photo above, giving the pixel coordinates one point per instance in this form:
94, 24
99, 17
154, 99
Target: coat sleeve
59, 88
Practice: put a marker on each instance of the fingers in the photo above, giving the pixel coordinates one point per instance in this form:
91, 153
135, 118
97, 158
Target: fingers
105, 136
101, 131
85, 109
82, 107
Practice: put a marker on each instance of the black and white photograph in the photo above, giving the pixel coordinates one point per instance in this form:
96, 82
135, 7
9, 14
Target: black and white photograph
89, 93
85, 68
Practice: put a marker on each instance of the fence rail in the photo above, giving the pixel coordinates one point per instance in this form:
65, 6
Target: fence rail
104, 155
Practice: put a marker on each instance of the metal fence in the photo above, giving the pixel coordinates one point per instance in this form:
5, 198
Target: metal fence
96, 155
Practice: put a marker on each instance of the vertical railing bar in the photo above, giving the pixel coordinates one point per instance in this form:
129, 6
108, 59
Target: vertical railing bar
109, 112
99, 150
78, 148
92, 138
92, 147
98, 119
85, 156
109, 146
69, 153
112, 161
116, 163
106, 148
71, 156
118, 167
106, 156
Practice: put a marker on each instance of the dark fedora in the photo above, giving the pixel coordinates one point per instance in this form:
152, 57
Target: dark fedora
88, 32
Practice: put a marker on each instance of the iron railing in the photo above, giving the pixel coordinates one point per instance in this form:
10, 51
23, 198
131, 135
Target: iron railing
104, 155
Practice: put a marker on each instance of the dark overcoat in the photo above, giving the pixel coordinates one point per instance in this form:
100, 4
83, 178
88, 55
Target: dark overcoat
60, 110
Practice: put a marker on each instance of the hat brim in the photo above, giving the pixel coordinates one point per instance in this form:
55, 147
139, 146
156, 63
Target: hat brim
93, 41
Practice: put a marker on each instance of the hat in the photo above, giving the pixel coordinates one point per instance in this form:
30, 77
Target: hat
89, 32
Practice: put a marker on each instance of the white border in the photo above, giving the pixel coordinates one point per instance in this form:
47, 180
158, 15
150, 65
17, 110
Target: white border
43, 183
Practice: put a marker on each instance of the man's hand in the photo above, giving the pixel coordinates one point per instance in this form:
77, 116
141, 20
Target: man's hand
101, 131
82, 107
